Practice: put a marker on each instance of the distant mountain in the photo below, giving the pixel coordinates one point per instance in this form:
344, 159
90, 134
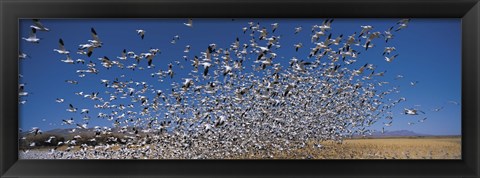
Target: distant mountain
67, 132
398, 133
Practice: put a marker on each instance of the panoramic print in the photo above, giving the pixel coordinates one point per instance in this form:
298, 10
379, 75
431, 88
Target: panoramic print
240, 88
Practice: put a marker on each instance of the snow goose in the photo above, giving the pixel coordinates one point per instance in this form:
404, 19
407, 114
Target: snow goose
71, 108
61, 48
141, 33
38, 26
32, 38
189, 23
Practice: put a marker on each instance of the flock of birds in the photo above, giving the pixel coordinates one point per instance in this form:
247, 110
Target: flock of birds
225, 108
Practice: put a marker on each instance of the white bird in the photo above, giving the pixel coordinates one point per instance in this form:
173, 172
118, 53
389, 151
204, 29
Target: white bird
59, 100
82, 126
413, 83
69, 60
437, 109
388, 50
228, 69
206, 66
21, 90
388, 34
124, 55
84, 111
390, 59
61, 48
422, 120
244, 29
22, 55
38, 26
33, 37
189, 23
71, 108
72, 82
170, 70
453, 102
49, 140
297, 46
274, 27
360, 70
412, 111
68, 122
187, 49
35, 131
402, 24
388, 124
141, 33
188, 82
149, 57
365, 30
297, 29
95, 41
80, 61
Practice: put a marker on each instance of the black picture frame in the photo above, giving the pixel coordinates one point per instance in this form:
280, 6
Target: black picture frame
12, 10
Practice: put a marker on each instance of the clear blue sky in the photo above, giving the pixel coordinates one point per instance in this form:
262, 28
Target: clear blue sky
430, 52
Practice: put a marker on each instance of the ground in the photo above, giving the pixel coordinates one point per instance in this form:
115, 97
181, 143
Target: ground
385, 148
359, 148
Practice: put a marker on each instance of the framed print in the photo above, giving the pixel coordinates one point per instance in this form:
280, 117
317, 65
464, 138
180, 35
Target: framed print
294, 89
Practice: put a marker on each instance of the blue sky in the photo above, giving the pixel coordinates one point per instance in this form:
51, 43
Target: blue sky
429, 52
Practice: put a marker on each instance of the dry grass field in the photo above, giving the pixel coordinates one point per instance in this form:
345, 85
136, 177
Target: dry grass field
382, 148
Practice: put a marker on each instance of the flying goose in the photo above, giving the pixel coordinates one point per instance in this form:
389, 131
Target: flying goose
96, 41
274, 27
402, 24
365, 30
388, 50
69, 60
189, 23
388, 34
68, 122
141, 33
59, 100
390, 59
412, 111
124, 55
71, 108
297, 30
33, 37
297, 46
38, 26
61, 48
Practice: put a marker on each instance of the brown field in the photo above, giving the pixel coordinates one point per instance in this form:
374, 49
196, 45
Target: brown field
382, 148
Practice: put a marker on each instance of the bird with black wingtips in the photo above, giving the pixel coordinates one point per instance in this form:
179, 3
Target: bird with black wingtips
38, 26
402, 24
365, 30
32, 38
388, 34
123, 56
61, 48
274, 27
297, 46
297, 30
390, 59
189, 23
141, 33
